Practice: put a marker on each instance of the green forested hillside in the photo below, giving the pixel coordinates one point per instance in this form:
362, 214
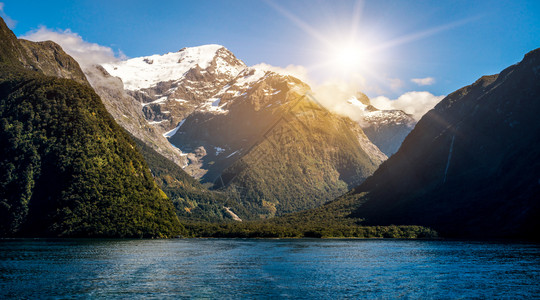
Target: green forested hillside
313, 163
67, 169
329, 221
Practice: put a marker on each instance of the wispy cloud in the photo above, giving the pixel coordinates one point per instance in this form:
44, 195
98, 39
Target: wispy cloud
334, 95
395, 83
9, 21
424, 81
85, 53
414, 103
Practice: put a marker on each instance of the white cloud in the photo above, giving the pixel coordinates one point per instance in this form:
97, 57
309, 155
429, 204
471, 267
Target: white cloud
424, 81
414, 103
9, 21
85, 53
334, 96
297, 71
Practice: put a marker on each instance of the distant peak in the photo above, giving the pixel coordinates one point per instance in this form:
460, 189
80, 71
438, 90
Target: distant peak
148, 71
363, 98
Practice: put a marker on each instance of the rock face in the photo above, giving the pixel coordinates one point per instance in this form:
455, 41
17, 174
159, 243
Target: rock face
471, 166
385, 128
127, 112
253, 134
49, 58
157, 92
172, 86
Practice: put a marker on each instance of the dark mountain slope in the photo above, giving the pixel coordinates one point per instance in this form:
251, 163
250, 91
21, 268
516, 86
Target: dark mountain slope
471, 166
11, 52
66, 168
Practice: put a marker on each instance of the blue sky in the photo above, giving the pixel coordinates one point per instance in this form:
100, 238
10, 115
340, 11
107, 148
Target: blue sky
451, 42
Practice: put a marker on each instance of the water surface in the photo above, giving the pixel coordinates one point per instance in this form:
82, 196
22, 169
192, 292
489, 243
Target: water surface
237, 268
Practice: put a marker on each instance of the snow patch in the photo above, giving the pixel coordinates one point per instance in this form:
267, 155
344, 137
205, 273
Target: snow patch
249, 76
158, 101
213, 105
219, 150
232, 153
271, 92
170, 133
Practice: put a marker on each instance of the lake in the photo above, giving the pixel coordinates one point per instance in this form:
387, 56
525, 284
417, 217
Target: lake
290, 268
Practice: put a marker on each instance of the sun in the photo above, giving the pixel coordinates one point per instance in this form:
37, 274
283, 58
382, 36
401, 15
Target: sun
348, 57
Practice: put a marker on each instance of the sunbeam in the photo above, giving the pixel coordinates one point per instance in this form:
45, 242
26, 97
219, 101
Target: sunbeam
420, 35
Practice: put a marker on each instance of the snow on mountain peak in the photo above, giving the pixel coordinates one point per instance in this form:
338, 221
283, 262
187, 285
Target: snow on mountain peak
373, 115
145, 72
249, 76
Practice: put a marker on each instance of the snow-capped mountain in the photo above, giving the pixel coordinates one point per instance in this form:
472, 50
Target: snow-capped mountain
171, 86
252, 133
385, 128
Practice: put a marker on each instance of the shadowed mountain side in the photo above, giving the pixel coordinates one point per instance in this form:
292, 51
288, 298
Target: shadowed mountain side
471, 166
